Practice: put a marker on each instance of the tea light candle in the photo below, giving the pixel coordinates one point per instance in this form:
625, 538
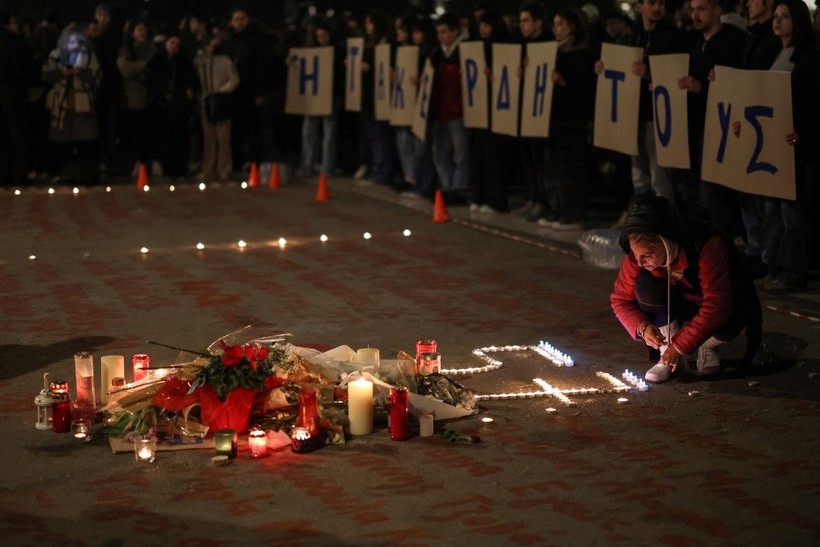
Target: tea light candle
81, 430
360, 406
145, 450
368, 356
258, 441
225, 441
111, 366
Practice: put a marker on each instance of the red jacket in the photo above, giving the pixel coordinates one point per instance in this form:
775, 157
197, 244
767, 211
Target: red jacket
711, 292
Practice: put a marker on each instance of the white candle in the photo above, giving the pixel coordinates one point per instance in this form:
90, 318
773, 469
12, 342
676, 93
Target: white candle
145, 453
360, 406
111, 366
426, 425
368, 356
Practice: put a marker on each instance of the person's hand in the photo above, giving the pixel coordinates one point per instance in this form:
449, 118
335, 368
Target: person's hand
365, 67
259, 100
599, 67
557, 79
652, 336
711, 76
690, 84
639, 69
671, 357
792, 138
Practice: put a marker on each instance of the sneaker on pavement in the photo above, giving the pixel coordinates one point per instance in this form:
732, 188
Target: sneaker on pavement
708, 361
361, 172
524, 210
659, 373
475, 207
487, 210
568, 225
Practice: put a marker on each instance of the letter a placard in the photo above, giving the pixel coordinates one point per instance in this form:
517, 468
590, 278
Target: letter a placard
536, 106
617, 99
310, 81
759, 160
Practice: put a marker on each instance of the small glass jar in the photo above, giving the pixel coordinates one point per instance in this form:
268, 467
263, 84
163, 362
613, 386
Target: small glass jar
258, 442
145, 450
225, 442
429, 363
81, 430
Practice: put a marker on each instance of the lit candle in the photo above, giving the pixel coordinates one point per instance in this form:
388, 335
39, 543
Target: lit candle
141, 363
368, 356
81, 429
111, 366
360, 406
225, 442
84, 376
258, 441
300, 440
145, 450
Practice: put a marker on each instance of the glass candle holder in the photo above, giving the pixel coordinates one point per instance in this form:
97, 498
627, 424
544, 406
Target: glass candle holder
145, 450
429, 363
225, 442
424, 346
258, 442
309, 410
111, 366
61, 407
81, 430
84, 378
301, 440
140, 362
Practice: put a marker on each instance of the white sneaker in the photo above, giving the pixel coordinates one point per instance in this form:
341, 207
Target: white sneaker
708, 361
361, 172
487, 210
475, 207
525, 209
659, 373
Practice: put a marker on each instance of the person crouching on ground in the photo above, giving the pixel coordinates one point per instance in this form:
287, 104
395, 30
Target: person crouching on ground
683, 289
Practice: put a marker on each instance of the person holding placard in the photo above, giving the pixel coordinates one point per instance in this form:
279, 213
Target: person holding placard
656, 35
533, 28
451, 153
325, 126
716, 44
787, 224
572, 106
491, 153
683, 289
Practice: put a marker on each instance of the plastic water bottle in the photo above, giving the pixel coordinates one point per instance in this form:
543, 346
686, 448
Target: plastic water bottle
600, 248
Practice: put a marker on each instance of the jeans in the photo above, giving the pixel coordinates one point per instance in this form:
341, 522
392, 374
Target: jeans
405, 142
647, 176
451, 155
310, 142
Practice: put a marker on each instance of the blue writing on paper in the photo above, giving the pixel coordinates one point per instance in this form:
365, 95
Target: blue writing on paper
380, 87
724, 116
752, 113
398, 89
665, 132
425, 97
503, 100
540, 90
353, 52
471, 74
305, 76
616, 76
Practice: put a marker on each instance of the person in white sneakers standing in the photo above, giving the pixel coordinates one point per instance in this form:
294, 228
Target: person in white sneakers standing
683, 289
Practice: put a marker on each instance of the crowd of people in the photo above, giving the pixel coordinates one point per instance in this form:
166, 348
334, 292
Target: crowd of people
204, 98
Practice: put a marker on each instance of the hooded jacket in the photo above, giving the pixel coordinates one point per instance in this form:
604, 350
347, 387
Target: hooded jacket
707, 271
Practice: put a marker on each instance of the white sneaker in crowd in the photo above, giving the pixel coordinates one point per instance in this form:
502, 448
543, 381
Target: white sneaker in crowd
487, 210
361, 172
659, 373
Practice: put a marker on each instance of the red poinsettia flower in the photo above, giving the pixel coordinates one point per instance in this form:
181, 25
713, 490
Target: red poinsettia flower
253, 354
233, 354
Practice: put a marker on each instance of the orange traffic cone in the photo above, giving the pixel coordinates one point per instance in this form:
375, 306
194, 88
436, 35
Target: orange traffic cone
142, 177
322, 193
275, 180
253, 178
440, 209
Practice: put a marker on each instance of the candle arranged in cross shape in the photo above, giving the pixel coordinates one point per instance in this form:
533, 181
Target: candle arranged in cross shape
360, 406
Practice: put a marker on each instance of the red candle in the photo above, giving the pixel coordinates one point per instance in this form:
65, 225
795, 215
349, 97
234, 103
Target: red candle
258, 442
141, 362
61, 409
398, 413
309, 410
424, 346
